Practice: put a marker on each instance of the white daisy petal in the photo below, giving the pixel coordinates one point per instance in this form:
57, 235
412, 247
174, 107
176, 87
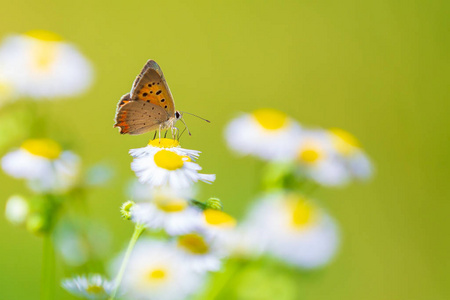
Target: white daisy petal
93, 287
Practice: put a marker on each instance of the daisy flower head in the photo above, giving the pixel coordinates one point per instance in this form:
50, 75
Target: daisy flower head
349, 149
168, 166
266, 133
296, 230
44, 165
164, 144
200, 251
156, 271
318, 160
167, 211
90, 287
39, 64
17, 209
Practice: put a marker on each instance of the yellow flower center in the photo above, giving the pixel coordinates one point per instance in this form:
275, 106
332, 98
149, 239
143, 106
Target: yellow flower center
270, 119
193, 243
344, 141
44, 35
169, 160
170, 205
303, 212
218, 218
310, 155
157, 274
95, 289
164, 143
42, 147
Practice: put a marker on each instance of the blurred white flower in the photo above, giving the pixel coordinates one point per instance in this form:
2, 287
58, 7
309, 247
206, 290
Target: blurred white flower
167, 211
351, 152
7, 93
156, 271
243, 241
17, 209
143, 193
319, 160
39, 64
295, 230
44, 165
267, 133
200, 251
92, 287
163, 167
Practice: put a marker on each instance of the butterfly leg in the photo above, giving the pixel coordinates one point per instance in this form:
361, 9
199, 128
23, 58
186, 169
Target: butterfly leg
154, 137
159, 133
174, 132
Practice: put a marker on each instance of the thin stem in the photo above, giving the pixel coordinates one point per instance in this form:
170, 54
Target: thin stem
138, 229
48, 268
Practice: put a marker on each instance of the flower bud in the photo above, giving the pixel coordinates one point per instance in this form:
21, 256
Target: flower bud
125, 210
214, 203
36, 223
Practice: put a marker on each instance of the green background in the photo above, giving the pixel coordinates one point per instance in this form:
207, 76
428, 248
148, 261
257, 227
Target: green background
378, 68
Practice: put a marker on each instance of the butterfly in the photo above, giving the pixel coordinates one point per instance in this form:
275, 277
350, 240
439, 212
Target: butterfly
149, 105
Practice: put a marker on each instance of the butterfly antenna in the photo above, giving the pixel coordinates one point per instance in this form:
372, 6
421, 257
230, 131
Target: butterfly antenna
184, 112
185, 126
179, 135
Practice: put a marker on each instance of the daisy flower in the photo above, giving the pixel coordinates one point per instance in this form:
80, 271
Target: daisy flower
167, 211
318, 159
39, 64
44, 165
267, 133
156, 271
200, 251
351, 152
295, 230
166, 144
17, 209
88, 287
168, 166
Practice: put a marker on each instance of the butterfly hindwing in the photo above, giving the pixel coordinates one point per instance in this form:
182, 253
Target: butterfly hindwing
150, 86
137, 117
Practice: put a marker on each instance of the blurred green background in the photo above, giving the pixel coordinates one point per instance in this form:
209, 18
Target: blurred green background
377, 68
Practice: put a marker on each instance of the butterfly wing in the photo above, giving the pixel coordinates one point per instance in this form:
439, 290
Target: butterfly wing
137, 117
150, 86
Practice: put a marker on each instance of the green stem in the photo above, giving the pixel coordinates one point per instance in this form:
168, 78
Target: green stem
138, 229
48, 269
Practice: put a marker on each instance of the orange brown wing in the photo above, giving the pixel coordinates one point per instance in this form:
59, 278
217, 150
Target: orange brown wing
137, 117
150, 86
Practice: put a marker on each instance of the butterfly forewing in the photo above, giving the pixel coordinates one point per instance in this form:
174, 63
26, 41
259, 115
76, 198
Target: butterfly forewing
151, 87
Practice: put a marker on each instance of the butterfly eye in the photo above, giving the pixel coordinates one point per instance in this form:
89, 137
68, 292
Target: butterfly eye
177, 115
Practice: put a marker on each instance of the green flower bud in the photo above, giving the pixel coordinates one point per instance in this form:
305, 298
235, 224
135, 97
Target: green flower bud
214, 203
125, 210
37, 224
